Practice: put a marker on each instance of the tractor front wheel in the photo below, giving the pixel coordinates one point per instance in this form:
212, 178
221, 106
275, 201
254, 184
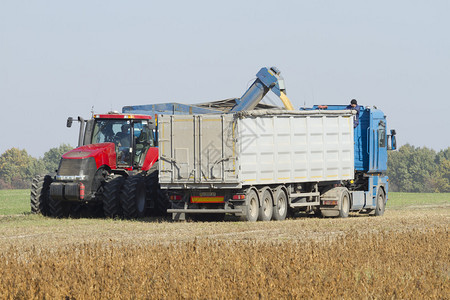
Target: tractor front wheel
133, 197
109, 196
39, 198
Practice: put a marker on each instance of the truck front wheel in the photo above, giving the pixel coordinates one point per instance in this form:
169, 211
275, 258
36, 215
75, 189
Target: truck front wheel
381, 201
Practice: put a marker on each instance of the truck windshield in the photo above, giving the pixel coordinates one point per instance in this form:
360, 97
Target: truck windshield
120, 132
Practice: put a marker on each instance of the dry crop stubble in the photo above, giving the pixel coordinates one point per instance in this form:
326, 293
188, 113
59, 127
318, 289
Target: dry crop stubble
387, 264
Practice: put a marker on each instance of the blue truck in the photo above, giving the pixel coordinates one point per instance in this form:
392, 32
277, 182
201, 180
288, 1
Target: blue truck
259, 162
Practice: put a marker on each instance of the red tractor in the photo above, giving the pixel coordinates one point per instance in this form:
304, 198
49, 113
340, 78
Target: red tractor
113, 171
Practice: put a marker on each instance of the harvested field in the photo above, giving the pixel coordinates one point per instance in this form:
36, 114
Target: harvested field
405, 265
404, 254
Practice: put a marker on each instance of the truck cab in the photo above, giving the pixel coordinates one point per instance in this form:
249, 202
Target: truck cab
371, 145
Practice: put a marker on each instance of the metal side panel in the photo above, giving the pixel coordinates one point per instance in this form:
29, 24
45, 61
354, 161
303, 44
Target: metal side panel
197, 149
296, 148
176, 147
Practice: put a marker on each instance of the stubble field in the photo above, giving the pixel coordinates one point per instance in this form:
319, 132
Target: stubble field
404, 254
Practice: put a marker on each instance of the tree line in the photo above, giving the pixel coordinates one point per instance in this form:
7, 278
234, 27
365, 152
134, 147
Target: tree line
17, 167
420, 170
410, 169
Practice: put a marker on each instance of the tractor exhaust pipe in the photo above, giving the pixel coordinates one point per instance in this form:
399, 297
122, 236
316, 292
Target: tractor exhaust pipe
81, 134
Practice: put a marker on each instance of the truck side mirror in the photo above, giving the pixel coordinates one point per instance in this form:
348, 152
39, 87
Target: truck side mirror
393, 143
69, 122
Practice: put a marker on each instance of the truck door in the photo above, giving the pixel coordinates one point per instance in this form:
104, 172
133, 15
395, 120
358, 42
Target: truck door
377, 144
382, 146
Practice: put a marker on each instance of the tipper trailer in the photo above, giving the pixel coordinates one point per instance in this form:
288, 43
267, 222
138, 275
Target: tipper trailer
261, 164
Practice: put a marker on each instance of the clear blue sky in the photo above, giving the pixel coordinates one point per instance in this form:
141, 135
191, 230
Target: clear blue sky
60, 58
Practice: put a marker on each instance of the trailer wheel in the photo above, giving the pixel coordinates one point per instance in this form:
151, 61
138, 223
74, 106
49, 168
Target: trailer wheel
109, 196
266, 208
281, 207
344, 207
252, 207
133, 197
39, 198
381, 202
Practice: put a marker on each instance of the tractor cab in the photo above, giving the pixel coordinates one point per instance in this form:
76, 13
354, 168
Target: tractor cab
132, 136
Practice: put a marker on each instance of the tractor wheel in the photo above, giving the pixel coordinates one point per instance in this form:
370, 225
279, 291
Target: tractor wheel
133, 197
39, 198
58, 208
266, 209
280, 210
109, 196
157, 198
381, 202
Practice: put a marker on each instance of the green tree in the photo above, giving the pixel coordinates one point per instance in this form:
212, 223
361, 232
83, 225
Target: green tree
441, 176
412, 169
53, 156
17, 168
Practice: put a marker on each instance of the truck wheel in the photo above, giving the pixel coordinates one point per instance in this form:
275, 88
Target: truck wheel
266, 208
344, 206
133, 197
109, 196
252, 207
381, 202
281, 208
40, 190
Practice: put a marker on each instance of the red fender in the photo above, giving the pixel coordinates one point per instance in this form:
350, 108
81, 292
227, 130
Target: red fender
150, 158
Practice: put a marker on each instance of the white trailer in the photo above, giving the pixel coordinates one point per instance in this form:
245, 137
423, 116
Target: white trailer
257, 164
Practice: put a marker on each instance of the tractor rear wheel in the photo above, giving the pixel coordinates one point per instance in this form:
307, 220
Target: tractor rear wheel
109, 196
40, 191
157, 198
133, 197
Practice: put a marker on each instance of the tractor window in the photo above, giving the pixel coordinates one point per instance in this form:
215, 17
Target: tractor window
116, 131
144, 139
111, 131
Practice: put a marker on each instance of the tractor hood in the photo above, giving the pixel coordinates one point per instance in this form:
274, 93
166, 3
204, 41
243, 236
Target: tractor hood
103, 153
